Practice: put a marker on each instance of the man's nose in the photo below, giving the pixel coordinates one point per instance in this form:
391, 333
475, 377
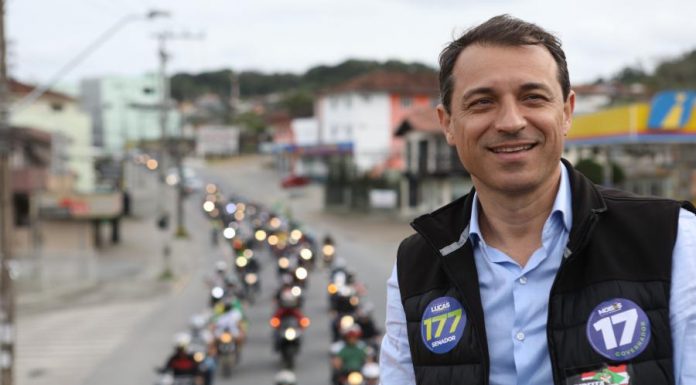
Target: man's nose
509, 118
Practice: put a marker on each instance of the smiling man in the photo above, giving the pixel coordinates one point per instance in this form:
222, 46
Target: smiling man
537, 276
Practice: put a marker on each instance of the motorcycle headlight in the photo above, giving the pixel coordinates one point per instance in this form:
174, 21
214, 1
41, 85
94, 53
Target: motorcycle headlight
301, 273
251, 278
290, 334
332, 289
229, 233
241, 261
328, 250
260, 235
306, 254
346, 322
198, 356
226, 338
283, 262
217, 292
355, 378
296, 234
296, 291
354, 300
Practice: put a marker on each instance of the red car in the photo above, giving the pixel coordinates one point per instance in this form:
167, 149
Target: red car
294, 181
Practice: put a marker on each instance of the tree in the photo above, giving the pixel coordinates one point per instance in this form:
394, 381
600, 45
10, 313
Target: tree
595, 171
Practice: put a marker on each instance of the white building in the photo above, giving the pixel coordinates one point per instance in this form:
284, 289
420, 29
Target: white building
126, 110
365, 111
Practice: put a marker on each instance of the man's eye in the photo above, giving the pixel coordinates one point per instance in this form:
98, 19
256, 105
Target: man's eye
535, 97
480, 103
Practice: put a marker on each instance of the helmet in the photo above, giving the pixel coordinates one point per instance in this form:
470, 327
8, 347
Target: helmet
285, 377
287, 299
182, 340
353, 331
197, 322
370, 371
221, 266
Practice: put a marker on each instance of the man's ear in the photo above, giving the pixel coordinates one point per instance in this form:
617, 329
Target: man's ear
568, 108
444, 117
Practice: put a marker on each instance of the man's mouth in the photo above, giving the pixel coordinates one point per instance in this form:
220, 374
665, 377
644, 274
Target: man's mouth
512, 149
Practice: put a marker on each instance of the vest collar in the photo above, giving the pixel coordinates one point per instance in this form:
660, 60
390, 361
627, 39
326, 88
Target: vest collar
447, 228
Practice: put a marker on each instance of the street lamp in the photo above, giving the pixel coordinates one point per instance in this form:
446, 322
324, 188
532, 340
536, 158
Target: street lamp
30, 98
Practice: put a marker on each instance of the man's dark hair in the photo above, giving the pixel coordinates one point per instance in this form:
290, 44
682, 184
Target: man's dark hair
502, 30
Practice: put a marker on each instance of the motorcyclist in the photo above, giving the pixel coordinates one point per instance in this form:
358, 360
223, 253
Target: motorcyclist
231, 321
181, 362
288, 306
218, 277
202, 341
285, 377
348, 355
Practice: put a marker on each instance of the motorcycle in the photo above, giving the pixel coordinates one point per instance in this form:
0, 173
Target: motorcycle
251, 286
288, 336
228, 354
216, 295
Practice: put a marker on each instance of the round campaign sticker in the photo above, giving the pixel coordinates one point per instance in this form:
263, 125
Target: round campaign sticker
618, 329
442, 324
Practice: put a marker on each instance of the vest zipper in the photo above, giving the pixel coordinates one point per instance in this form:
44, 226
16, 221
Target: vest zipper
585, 229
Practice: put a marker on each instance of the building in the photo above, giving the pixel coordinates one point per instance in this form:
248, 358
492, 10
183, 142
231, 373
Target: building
433, 174
72, 164
365, 111
125, 111
654, 143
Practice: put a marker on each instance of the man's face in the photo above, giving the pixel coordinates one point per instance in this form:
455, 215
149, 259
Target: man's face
508, 117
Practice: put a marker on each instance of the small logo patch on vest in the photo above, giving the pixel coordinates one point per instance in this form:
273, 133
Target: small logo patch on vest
618, 329
605, 375
442, 324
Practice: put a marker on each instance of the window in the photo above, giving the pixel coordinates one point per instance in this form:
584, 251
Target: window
21, 210
406, 101
56, 106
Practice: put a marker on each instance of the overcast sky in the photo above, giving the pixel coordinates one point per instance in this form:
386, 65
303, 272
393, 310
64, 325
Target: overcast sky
599, 36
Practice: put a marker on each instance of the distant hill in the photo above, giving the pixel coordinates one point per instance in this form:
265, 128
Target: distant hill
675, 73
253, 83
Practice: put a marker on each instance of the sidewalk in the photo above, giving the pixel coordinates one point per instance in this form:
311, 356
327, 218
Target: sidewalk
131, 268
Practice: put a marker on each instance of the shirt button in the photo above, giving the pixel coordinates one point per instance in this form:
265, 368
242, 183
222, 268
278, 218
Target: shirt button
523, 280
519, 336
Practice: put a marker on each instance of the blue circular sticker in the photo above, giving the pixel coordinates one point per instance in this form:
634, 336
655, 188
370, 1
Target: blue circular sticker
618, 329
442, 324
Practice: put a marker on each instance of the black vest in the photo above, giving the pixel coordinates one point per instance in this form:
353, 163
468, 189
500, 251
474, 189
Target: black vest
620, 246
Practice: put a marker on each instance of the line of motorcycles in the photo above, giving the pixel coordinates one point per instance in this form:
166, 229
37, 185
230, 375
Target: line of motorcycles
216, 338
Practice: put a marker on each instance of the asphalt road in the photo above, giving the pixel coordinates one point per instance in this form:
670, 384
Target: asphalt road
118, 333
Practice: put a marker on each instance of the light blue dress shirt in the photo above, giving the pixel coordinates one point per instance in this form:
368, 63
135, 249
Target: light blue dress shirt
514, 300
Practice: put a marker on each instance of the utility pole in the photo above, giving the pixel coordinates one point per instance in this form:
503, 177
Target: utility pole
7, 298
171, 146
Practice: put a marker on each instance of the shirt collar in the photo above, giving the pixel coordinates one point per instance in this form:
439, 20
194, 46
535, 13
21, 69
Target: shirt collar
562, 206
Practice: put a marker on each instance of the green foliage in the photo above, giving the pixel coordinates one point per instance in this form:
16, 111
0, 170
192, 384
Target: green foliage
251, 122
595, 171
298, 103
255, 83
676, 73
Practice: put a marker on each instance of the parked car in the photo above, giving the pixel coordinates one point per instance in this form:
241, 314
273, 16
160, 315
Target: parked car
293, 180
